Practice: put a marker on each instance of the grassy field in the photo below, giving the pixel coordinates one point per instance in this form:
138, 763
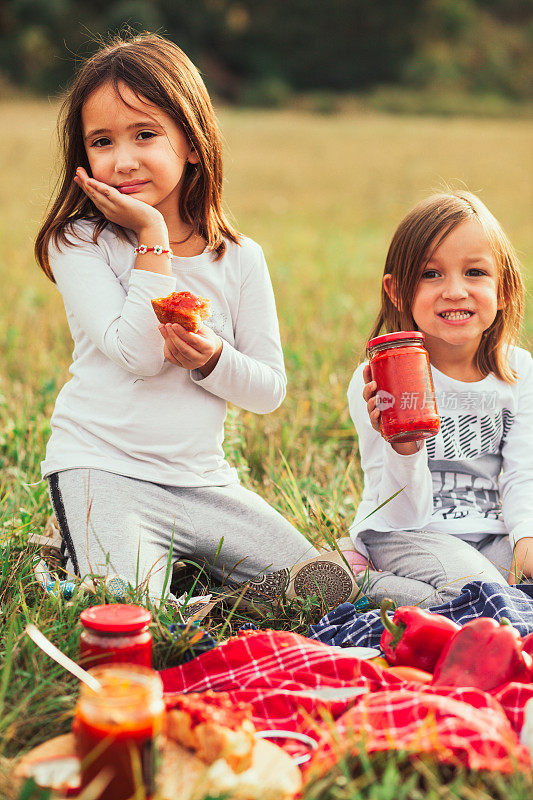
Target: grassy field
323, 196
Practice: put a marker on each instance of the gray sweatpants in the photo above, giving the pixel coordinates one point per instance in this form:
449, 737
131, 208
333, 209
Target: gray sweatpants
427, 569
115, 525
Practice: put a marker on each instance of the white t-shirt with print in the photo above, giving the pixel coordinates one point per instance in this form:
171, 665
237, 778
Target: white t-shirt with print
475, 477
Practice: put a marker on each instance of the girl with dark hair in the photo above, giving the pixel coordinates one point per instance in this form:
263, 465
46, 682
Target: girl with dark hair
135, 461
465, 497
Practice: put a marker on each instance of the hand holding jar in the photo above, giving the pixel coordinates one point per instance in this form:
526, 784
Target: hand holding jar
372, 400
399, 390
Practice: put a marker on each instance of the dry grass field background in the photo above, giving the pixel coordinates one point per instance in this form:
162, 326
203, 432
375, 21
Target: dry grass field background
322, 194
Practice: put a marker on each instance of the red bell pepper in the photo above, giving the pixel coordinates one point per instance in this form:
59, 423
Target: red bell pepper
527, 644
414, 637
485, 654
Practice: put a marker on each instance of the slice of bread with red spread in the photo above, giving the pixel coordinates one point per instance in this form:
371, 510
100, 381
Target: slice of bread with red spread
213, 727
183, 307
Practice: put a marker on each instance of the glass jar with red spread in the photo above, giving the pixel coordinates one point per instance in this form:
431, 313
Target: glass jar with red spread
117, 731
399, 364
114, 634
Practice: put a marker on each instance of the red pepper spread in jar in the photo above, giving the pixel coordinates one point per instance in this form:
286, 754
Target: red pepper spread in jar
115, 634
399, 364
117, 730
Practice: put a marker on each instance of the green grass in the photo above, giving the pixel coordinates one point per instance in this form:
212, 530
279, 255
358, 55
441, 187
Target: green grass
323, 195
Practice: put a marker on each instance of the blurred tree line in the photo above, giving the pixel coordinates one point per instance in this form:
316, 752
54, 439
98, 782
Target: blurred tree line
256, 50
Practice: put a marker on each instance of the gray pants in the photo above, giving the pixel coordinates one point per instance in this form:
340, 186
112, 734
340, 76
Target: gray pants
427, 569
114, 525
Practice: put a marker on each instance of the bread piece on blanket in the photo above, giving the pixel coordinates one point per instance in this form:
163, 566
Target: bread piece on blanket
213, 727
272, 775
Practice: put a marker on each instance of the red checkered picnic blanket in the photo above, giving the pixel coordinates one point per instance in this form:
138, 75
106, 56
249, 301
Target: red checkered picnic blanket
275, 671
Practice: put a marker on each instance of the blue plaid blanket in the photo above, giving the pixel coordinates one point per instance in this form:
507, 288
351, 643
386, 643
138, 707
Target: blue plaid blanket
343, 627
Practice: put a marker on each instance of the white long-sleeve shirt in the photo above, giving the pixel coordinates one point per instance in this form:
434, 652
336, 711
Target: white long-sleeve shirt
475, 477
126, 409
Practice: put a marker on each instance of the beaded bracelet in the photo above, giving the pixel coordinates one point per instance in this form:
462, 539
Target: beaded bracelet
157, 250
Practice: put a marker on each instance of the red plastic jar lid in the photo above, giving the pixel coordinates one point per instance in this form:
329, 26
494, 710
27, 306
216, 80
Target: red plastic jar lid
395, 337
115, 618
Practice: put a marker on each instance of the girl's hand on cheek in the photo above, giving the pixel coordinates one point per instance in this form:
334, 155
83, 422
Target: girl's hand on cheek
522, 566
122, 209
191, 350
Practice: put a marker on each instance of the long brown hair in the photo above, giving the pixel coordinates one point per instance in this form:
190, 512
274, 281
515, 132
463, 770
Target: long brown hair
417, 236
156, 69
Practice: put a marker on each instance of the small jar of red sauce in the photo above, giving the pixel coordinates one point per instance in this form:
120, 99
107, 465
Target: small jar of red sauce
117, 731
115, 634
399, 364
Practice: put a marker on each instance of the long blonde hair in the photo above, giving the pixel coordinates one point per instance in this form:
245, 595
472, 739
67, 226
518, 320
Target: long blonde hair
156, 69
420, 232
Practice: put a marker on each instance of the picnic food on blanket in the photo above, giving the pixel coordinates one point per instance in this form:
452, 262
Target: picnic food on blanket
213, 727
411, 674
380, 661
484, 654
183, 307
115, 633
273, 775
414, 637
52, 765
222, 753
121, 723
399, 364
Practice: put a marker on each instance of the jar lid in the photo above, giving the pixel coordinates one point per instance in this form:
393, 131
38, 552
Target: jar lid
115, 618
398, 336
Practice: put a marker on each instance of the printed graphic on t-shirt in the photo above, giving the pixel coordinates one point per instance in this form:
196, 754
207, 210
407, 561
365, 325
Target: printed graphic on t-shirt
468, 436
468, 487
459, 493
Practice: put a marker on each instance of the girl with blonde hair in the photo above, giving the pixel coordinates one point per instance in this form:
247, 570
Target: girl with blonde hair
465, 497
